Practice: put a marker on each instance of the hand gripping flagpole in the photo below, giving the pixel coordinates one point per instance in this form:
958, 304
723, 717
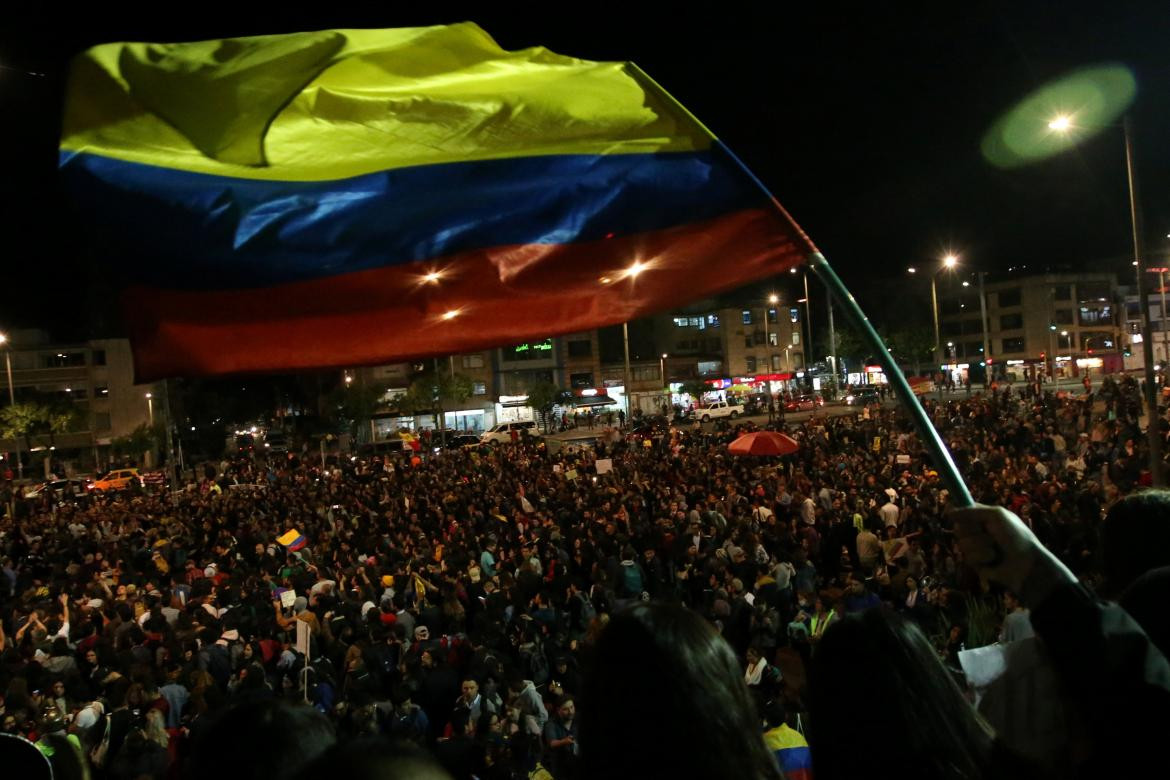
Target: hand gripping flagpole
960, 496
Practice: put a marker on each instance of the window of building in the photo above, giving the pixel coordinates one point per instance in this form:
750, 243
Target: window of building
747, 342
583, 379
750, 363
713, 345
1062, 292
1011, 321
773, 338
794, 314
772, 315
644, 373
1009, 297
101, 421
1013, 345
580, 349
1096, 340
479, 388
797, 360
775, 362
972, 348
1063, 316
473, 361
1096, 314
531, 350
63, 360
1093, 291
970, 327
712, 320
710, 367
795, 337
99, 357
680, 322
758, 337
747, 317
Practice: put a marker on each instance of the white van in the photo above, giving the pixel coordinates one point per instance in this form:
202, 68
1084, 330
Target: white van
502, 432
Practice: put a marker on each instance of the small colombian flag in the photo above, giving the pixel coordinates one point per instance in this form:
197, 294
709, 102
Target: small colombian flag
292, 539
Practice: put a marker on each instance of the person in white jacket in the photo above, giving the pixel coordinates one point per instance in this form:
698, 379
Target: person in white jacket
525, 697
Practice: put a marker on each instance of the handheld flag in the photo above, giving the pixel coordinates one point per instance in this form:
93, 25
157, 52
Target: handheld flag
352, 197
292, 539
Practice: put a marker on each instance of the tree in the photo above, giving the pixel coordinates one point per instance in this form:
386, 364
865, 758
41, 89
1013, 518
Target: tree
913, 343
60, 417
138, 442
20, 420
352, 405
542, 397
694, 388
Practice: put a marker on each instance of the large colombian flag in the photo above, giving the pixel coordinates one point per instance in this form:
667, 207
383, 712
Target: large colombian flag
353, 197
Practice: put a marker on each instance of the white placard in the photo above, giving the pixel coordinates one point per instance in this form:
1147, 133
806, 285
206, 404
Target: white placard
604, 465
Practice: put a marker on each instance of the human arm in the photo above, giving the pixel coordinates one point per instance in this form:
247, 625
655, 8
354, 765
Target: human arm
1117, 678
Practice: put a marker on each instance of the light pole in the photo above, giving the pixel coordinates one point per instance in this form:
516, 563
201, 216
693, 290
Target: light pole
1063, 124
947, 262
150, 407
12, 399
662, 370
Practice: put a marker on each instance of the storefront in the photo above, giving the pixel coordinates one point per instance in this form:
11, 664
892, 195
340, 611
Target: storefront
869, 375
514, 408
469, 420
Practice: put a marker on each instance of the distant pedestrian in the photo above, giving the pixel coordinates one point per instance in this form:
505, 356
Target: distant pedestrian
621, 418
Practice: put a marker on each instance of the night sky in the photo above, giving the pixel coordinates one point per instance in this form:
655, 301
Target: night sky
865, 124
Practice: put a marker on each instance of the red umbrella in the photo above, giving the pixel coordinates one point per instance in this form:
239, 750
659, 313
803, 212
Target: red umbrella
763, 443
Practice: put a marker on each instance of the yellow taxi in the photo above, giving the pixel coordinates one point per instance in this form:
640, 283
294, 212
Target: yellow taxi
117, 479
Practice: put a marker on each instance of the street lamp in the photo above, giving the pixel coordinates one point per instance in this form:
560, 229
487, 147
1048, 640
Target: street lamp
1062, 123
948, 262
150, 407
662, 369
12, 398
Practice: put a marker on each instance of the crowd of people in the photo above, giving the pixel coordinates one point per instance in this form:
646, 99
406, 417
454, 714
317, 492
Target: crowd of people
612, 609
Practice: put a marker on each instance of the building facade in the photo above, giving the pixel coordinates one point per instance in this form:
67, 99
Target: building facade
1057, 324
95, 379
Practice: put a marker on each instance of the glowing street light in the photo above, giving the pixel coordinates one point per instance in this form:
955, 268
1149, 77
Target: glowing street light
1061, 123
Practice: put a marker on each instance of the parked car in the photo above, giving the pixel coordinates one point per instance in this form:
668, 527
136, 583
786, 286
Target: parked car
863, 396
61, 487
384, 447
649, 431
502, 432
115, 479
804, 403
456, 441
719, 409
245, 442
276, 443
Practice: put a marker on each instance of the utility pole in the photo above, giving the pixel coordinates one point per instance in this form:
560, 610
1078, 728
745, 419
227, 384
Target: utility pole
1153, 418
832, 341
626, 374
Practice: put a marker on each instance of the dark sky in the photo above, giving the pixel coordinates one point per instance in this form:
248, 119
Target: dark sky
864, 122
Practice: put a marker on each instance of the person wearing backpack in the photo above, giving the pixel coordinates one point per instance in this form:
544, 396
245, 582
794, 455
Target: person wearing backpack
632, 579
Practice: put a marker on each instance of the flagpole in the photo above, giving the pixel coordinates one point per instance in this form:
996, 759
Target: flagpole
931, 440
960, 495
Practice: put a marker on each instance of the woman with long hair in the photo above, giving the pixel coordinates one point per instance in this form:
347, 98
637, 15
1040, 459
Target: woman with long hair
665, 697
922, 726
